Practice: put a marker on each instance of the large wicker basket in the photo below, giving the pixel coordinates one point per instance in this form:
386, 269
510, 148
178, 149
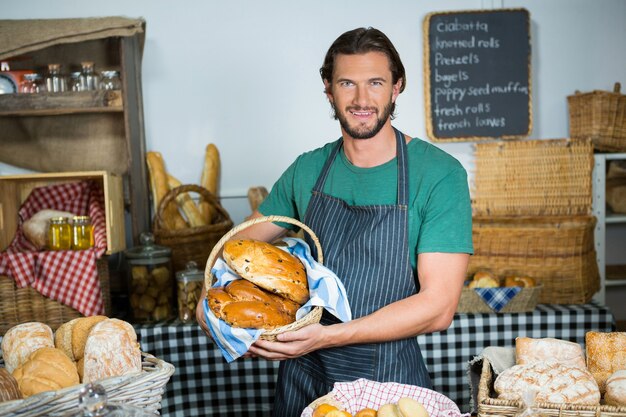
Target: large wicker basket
21, 305
600, 116
314, 315
533, 178
143, 390
557, 251
489, 406
192, 243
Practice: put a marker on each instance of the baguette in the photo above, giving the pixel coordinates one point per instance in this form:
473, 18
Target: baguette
186, 204
210, 180
158, 186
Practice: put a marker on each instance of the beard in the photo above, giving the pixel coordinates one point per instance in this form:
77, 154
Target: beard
360, 131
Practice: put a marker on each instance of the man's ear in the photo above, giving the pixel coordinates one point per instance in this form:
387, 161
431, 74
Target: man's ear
328, 91
397, 87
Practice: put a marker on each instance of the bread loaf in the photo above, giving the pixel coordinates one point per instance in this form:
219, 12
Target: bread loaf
63, 338
529, 350
256, 195
9, 390
158, 186
616, 389
111, 350
210, 180
269, 267
186, 204
36, 228
484, 279
47, 369
554, 382
519, 281
20, 341
606, 353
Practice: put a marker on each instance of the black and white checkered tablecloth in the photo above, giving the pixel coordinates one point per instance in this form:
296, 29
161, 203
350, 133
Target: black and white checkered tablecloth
204, 384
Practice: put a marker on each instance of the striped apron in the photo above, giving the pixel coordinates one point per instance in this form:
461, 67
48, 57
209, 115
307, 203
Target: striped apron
367, 247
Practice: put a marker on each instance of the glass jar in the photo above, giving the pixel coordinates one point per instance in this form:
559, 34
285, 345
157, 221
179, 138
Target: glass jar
110, 80
74, 83
89, 80
189, 287
32, 83
59, 234
150, 281
55, 80
82, 233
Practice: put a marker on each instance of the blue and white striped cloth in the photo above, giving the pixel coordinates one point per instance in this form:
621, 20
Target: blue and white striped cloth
325, 290
497, 298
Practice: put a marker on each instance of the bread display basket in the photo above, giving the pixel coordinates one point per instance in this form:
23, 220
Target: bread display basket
143, 390
313, 316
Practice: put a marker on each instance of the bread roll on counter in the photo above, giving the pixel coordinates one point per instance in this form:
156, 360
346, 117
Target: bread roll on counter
47, 369
20, 341
606, 353
529, 350
269, 267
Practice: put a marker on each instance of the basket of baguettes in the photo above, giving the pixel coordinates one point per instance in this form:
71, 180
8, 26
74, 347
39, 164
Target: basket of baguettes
188, 228
553, 377
273, 284
42, 373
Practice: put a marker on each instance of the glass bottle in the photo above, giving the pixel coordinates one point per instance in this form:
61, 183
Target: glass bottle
89, 80
74, 83
32, 83
55, 80
82, 233
59, 234
110, 80
189, 288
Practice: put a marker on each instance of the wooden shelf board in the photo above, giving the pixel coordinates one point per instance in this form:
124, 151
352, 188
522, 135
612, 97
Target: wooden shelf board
46, 104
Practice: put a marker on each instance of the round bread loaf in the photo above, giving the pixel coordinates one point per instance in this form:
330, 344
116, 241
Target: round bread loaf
616, 389
269, 267
20, 341
47, 369
9, 389
519, 281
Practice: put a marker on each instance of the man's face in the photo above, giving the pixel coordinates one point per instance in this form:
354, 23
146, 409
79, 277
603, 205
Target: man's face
361, 93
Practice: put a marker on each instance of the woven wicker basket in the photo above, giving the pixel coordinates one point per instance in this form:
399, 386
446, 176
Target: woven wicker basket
600, 116
142, 390
533, 178
314, 315
557, 251
21, 305
192, 243
525, 300
489, 406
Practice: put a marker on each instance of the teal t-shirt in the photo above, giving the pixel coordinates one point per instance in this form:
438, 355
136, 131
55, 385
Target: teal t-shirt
439, 215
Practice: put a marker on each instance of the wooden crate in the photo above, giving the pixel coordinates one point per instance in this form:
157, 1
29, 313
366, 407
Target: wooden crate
14, 189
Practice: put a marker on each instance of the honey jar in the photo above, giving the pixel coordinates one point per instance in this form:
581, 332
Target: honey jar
59, 234
189, 287
82, 233
150, 281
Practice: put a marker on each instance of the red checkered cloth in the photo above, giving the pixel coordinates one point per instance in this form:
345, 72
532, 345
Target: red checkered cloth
69, 276
363, 393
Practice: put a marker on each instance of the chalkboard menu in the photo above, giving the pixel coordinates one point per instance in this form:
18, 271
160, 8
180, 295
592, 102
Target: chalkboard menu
477, 75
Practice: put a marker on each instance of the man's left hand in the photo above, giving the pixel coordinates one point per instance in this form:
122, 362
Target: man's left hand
290, 344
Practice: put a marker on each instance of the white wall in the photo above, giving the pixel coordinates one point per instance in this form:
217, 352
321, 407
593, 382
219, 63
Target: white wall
243, 74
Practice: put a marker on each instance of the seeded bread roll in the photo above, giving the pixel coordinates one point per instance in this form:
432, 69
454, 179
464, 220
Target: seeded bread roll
269, 267
244, 290
254, 314
22, 340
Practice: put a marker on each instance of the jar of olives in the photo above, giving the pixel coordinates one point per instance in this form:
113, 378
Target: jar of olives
189, 287
150, 280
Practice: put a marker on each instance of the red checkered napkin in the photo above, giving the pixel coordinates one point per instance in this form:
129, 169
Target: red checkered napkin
69, 277
363, 393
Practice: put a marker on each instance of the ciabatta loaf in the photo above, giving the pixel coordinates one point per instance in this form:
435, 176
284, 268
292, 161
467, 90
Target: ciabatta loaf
111, 350
554, 382
606, 353
22, 340
47, 369
269, 267
529, 350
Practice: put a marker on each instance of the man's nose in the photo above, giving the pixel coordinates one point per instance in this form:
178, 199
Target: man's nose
361, 96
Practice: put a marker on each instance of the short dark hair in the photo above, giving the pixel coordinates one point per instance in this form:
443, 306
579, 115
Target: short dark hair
360, 41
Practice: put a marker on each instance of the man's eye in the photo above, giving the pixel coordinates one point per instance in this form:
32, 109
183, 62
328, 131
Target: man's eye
377, 83
345, 83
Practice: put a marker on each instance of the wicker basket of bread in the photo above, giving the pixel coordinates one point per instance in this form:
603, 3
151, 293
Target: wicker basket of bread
42, 373
553, 377
273, 284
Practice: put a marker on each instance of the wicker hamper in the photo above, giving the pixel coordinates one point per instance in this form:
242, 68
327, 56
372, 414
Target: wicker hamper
557, 251
600, 116
21, 305
489, 406
192, 243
